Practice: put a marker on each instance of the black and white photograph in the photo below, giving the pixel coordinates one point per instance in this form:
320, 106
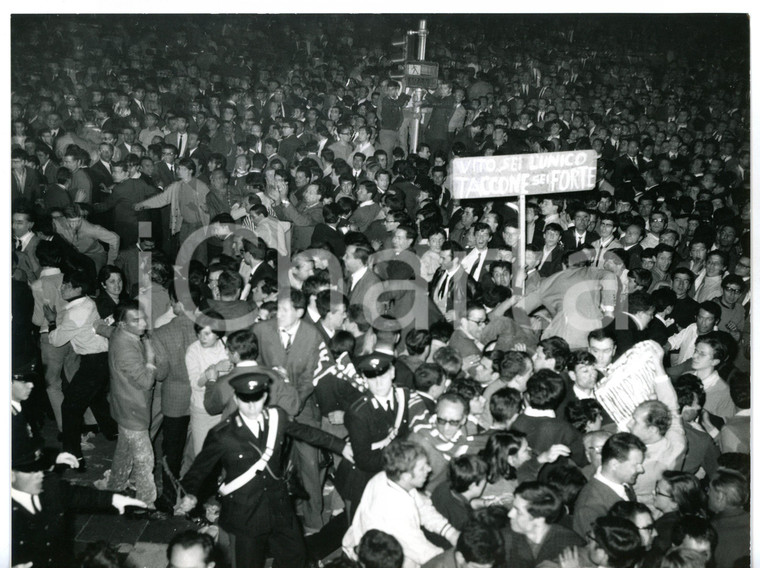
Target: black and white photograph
379, 290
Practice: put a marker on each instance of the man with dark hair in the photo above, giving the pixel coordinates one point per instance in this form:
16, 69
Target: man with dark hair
662, 326
428, 386
332, 307
242, 351
466, 481
186, 199
534, 534
418, 342
126, 192
726, 499
132, 366
359, 278
25, 181
170, 342
708, 317
89, 385
478, 545
25, 241
543, 428
701, 451
696, 533
622, 459
380, 550
710, 352
639, 312
191, 548
298, 349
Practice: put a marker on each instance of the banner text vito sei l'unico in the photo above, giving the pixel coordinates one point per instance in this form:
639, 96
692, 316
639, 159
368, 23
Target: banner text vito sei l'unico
524, 174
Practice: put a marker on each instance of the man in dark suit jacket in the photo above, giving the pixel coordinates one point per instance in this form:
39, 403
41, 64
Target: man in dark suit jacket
530, 540
100, 171
304, 217
622, 459
125, 194
367, 209
451, 287
328, 232
578, 236
544, 394
166, 169
41, 507
295, 345
25, 182
640, 313
359, 278
48, 166
256, 509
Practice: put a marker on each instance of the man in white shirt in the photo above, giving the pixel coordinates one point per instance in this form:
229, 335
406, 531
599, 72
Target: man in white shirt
474, 262
393, 503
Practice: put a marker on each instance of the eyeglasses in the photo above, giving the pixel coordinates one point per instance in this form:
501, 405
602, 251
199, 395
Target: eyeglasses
733, 290
479, 322
661, 494
445, 422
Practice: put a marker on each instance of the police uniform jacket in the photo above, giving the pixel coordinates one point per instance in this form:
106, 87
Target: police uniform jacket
252, 509
368, 424
46, 537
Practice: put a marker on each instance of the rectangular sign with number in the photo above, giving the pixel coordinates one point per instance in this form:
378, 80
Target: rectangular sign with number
524, 174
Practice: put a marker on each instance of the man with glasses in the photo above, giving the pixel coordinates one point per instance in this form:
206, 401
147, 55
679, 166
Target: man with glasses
593, 442
732, 311
607, 226
641, 516
466, 339
343, 148
444, 436
658, 222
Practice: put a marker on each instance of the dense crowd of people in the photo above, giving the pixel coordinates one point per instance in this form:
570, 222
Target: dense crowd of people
230, 257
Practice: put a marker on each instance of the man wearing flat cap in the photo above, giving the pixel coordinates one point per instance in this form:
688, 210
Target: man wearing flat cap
257, 512
373, 421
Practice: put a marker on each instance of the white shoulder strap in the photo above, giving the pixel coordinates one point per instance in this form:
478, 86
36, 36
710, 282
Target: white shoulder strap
261, 463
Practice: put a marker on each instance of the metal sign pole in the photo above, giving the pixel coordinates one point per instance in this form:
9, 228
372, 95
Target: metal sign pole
417, 98
518, 275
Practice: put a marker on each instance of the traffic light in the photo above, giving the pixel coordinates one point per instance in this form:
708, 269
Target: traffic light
401, 46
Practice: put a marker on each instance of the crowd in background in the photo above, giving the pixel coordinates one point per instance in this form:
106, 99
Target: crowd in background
222, 223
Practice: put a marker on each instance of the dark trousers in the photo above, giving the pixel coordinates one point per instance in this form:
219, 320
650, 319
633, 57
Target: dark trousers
88, 388
284, 543
173, 446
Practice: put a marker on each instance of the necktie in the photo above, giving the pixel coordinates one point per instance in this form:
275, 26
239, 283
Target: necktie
442, 289
388, 406
474, 271
36, 504
629, 492
578, 241
286, 340
18, 244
